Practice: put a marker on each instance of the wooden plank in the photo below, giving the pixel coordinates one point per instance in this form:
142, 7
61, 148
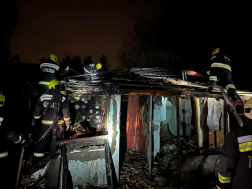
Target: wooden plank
206, 129
200, 132
219, 139
211, 139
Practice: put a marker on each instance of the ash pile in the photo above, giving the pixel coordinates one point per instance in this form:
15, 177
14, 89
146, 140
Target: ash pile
135, 173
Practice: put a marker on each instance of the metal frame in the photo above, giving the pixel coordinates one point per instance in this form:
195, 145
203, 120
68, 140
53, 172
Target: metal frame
93, 141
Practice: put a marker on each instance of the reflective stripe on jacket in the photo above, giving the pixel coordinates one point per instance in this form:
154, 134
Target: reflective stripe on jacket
4, 154
49, 65
221, 65
49, 71
42, 104
234, 170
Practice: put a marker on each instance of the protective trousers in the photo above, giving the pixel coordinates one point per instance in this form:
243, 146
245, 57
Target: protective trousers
225, 77
44, 145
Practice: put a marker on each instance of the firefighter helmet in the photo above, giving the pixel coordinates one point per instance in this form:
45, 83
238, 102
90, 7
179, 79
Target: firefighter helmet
53, 57
217, 50
99, 65
53, 83
2, 100
248, 108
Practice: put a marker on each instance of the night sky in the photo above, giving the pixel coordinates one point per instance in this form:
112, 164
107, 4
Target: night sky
75, 27
93, 27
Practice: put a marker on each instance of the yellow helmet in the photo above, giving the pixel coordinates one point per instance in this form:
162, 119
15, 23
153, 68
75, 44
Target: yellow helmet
2, 100
99, 65
53, 57
217, 50
53, 83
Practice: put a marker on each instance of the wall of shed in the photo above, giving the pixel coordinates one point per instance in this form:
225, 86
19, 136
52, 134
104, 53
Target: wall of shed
113, 113
87, 166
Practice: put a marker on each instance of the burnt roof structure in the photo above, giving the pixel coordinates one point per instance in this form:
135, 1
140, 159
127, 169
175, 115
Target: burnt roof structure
144, 81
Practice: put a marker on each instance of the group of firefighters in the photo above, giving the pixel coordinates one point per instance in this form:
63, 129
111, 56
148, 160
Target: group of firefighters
44, 115
236, 154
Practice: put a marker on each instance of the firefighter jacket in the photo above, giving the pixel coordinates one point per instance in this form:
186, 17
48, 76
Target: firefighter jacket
47, 118
49, 71
235, 169
7, 132
90, 70
221, 70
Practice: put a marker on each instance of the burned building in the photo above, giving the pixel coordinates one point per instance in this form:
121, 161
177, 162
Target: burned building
148, 120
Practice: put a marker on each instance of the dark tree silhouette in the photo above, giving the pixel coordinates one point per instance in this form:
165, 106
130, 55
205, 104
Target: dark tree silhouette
87, 60
104, 62
178, 35
74, 63
9, 19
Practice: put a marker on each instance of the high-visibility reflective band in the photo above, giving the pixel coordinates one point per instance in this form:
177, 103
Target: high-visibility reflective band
220, 65
67, 119
212, 78
49, 65
63, 99
37, 117
86, 70
247, 138
38, 154
218, 187
245, 147
44, 83
224, 179
245, 143
45, 97
19, 140
230, 86
47, 122
3, 154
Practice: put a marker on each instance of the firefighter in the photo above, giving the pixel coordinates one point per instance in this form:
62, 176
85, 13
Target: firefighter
49, 71
47, 118
7, 136
235, 169
221, 70
90, 70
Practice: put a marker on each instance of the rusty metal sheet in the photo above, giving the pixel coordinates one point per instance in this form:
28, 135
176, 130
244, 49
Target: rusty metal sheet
113, 126
137, 120
143, 123
132, 125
